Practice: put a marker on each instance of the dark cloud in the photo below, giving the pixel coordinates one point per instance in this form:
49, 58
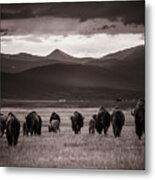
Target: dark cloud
41, 26
128, 11
106, 27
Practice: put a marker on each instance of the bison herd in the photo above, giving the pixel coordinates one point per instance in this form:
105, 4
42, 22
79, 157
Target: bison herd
99, 122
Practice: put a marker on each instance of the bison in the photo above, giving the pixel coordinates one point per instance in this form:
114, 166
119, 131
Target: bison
92, 126
118, 120
139, 116
2, 124
77, 122
102, 121
54, 123
33, 124
12, 129
54, 126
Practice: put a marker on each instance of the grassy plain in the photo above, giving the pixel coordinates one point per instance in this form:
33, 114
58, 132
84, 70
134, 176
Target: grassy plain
66, 150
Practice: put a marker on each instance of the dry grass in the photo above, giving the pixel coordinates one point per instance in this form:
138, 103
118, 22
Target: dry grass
66, 150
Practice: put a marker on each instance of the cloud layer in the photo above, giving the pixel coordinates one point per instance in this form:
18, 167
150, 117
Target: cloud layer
66, 26
128, 11
81, 29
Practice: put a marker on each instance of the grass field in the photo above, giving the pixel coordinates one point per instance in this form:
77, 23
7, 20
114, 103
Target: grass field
66, 150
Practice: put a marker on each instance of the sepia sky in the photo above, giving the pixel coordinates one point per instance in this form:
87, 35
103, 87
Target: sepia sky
88, 29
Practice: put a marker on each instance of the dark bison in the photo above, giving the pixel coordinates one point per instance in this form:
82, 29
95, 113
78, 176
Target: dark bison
92, 126
12, 129
102, 121
77, 122
33, 124
118, 120
2, 124
139, 115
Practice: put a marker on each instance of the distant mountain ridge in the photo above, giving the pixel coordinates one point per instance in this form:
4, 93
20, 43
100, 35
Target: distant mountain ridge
120, 55
52, 78
24, 61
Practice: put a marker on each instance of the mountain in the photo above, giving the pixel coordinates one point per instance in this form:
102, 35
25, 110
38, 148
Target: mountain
18, 62
23, 61
61, 56
132, 54
121, 55
21, 56
97, 79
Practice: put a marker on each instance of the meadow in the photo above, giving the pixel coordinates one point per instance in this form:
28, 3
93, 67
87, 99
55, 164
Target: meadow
67, 150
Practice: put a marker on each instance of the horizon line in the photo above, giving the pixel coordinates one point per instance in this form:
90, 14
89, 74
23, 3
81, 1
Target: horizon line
57, 49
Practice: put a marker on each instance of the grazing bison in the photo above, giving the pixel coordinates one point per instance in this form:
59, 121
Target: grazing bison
2, 124
92, 126
54, 126
118, 120
139, 115
12, 129
77, 122
33, 124
102, 121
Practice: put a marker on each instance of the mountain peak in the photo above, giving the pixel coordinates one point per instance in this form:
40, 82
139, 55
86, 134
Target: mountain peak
57, 52
60, 55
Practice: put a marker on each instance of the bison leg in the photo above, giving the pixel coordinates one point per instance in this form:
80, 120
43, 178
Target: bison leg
105, 131
9, 142
92, 131
39, 132
75, 131
114, 131
49, 128
139, 131
31, 131
119, 131
1, 133
17, 136
14, 140
27, 132
35, 132
9, 139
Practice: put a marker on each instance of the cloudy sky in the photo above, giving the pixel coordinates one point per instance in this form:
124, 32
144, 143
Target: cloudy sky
80, 29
